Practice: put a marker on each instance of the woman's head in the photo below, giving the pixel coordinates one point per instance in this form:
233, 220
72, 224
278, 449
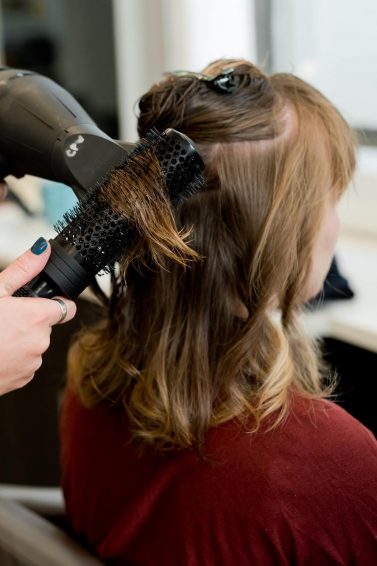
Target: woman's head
188, 348
278, 156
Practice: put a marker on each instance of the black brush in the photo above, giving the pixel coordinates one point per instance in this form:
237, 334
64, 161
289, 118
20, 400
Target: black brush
132, 202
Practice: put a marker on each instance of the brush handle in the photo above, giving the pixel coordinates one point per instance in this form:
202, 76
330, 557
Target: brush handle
91, 241
63, 275
68, 273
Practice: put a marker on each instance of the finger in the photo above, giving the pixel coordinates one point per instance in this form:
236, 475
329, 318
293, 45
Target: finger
24, 268
64, 310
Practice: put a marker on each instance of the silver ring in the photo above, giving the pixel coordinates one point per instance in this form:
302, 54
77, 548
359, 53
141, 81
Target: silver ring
63, 308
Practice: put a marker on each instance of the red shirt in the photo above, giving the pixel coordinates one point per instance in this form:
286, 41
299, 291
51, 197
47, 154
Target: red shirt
304, 493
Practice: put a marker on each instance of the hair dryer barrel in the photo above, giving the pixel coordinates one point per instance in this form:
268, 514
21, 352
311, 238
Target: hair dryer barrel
45, 132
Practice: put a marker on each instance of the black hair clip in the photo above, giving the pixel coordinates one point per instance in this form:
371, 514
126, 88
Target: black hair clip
225, 82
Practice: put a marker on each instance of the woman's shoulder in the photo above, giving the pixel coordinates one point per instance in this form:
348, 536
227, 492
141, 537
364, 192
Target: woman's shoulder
328, 427
318, 449
310, 426
319, 466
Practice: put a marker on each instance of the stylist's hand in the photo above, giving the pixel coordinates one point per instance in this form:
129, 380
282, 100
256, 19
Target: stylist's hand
25, 323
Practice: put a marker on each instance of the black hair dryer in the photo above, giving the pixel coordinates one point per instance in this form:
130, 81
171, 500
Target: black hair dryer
45, 132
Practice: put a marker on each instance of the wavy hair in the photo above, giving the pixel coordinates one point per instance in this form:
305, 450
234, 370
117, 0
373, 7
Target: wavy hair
184, 349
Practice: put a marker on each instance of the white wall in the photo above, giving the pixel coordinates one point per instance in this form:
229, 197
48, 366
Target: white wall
153, 36
358, 209
333, 45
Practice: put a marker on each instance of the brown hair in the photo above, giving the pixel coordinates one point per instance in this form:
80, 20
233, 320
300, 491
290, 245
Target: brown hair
186, 349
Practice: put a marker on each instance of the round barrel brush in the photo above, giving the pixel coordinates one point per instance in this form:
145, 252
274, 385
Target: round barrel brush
133, 202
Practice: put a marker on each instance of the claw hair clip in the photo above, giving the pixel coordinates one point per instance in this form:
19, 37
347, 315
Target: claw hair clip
224, 83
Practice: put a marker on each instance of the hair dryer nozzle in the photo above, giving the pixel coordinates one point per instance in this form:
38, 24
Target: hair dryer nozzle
45, 132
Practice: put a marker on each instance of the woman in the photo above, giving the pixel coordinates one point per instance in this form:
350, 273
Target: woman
196, 430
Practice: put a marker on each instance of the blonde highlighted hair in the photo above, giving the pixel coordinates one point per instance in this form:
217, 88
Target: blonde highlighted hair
184, 349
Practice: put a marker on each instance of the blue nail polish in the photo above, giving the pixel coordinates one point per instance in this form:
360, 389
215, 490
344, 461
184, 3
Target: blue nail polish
39, 246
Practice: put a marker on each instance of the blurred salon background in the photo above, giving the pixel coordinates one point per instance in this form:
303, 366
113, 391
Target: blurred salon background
106, 54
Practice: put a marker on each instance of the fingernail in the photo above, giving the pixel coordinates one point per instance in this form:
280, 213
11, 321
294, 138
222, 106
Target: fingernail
39, 246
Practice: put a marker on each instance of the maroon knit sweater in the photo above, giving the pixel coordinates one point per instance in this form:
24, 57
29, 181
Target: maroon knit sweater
304, 493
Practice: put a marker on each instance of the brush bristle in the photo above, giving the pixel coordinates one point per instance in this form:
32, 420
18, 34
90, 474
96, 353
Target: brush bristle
179, 160
97, 233
134, 200
182, 166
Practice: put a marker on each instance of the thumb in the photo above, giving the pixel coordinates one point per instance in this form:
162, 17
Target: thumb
24, 268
